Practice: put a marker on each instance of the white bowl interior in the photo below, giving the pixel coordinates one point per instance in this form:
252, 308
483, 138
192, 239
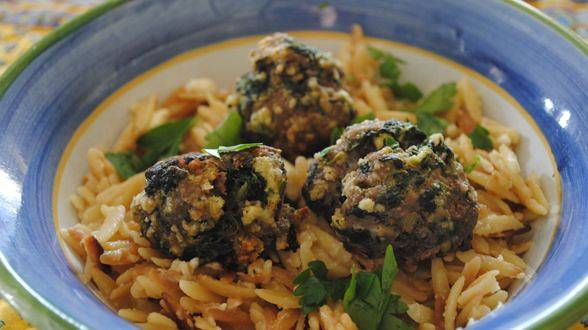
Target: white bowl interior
226, 61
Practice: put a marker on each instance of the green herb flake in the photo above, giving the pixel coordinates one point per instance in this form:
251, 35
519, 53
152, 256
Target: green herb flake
481, 138
324, 4
302, 277
313, 294
228, 133
468, 169
335, 134
389, 69
314, 288
236, 148
163, 141
391, 142
126, 164
368, 300
319, 269
437, 101
324, 152
158, 143
389, 270
375, 53
164, 136
390, 73
430, 124
378, 54
407, 91
366, 295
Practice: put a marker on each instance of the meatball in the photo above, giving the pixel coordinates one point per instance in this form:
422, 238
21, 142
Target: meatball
388, 183
293, 97
226, 209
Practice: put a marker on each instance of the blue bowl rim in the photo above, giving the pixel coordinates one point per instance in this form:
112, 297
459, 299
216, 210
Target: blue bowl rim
34, 308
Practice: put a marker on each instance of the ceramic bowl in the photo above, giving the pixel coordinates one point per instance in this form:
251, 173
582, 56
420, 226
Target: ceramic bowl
72, 91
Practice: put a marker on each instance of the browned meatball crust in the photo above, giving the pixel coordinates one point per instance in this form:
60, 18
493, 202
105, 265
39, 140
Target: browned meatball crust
293, 98
227, 208
388, 183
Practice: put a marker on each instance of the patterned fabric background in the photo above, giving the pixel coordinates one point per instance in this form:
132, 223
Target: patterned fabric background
23, 22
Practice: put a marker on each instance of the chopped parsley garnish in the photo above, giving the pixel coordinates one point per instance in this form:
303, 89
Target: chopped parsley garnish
325, 151
126, 164
314, 287
158, 143
228, 133
335, 134
366, 295
430, 124
481, 138
407, 91
224, 150
468, 169
368, 300
391, 142
437, 101
390, 73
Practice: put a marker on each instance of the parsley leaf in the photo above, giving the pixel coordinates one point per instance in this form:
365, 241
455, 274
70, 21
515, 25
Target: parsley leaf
481, 138
228, 133
125, 163
368, 301
160, 142
389, 270
163, 141
335, 134
391, 142
468, 169
164, 136
389, 321
337, 288
366, 295
225, 150
438, 100
430, 124
315, 288
319, 269
390, 72
378, 54
313, 294
389, 69
406, 91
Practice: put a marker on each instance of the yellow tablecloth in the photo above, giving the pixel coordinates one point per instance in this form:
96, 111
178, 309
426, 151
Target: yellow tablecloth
22, 23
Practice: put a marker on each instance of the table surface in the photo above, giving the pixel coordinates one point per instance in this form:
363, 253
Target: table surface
24, 22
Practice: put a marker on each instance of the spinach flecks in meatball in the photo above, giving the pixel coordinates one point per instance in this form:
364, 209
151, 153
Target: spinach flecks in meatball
293, 97
227, 208
388, 183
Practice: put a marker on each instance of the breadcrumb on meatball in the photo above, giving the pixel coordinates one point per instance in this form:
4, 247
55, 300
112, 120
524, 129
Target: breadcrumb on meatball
388, 183
293, 98
227, 208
